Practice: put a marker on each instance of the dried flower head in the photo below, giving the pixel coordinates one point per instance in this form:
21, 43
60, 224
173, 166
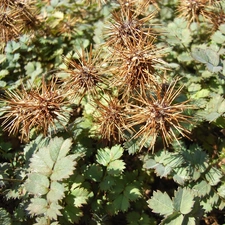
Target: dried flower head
128, 27
137, 65
111, 120
84, 74
158, 114
10, 25
38, 108
192, 9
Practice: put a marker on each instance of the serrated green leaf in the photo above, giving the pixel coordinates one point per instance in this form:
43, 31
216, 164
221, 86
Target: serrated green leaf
218, 37
37, 206
132, 192
72, 214
5, 218
59, 148
33, 69
150, 164
221, 191
107, 183
37, 184
41, 162
63, 168
213, 176
121, 203
162, 171
202, 188
116, 167
161, 203
80, 196
116, 152
56, 192
94, 172
201, 94
53, 210
183, 200
174, 219
103, 156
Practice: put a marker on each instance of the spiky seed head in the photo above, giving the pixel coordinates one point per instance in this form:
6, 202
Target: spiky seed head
137, 63
127, 28
84, 75
38, 108
192, 9
111, 120
157, 114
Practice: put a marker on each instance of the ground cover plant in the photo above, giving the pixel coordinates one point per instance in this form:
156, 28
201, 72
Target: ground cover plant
112, 112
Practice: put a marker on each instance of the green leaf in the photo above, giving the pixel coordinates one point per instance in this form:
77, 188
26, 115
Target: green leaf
5, 218
162, 171
106, 155
221, 191
208, 57
213, 176
218, 37
161, 203
59, 148
107, 183
132, 192
37, 184
174, 219
33, 69
37, 206
150, 164
94, 172
116, 152
121, 203
53, 211
103, 156
41, 162
116, 167
72, 214
56, 192
63, 169
183, 200
80, 196
202, 188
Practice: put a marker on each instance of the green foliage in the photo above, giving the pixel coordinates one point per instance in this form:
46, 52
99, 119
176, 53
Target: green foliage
85, 173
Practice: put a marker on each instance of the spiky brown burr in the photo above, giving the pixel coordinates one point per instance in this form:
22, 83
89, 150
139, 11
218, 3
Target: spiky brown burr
38, 108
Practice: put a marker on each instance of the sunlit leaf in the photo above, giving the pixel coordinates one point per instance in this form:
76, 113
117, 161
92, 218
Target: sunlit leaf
80, 196
116, 167
183, 200
56, 192
37, 206
161, 203
37, 184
